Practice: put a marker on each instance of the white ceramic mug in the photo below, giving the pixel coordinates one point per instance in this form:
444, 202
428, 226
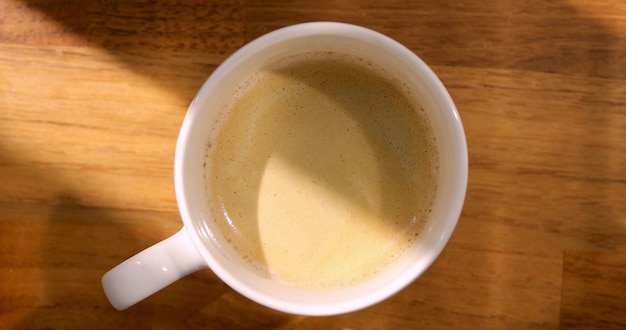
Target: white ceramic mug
192, 248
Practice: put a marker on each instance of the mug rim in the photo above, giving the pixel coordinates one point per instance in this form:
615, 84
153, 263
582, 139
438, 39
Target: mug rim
282, 35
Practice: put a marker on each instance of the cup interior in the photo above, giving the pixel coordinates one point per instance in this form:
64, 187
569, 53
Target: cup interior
198, 129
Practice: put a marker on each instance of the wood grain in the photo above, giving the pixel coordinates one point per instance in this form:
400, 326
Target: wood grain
594, 290
92, 95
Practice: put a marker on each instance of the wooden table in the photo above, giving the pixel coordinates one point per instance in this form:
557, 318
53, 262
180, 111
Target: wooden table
92, 95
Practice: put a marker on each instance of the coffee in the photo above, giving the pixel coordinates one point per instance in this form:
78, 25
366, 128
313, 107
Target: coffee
323, 170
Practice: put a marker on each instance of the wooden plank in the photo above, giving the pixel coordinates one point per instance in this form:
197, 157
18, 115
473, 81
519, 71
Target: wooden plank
594, 290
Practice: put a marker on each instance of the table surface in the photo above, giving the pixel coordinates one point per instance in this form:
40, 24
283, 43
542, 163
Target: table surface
93, 93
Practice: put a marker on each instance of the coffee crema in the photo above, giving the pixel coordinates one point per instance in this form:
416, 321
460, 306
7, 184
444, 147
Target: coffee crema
323, 171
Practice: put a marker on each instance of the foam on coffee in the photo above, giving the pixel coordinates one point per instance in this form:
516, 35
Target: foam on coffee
323, 171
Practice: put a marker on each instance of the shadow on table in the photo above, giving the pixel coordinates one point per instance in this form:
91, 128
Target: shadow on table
79, 244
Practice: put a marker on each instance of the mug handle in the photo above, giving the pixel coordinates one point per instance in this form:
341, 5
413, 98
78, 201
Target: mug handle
152, 270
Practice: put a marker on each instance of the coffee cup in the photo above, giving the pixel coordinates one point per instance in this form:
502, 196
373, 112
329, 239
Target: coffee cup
319, 170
